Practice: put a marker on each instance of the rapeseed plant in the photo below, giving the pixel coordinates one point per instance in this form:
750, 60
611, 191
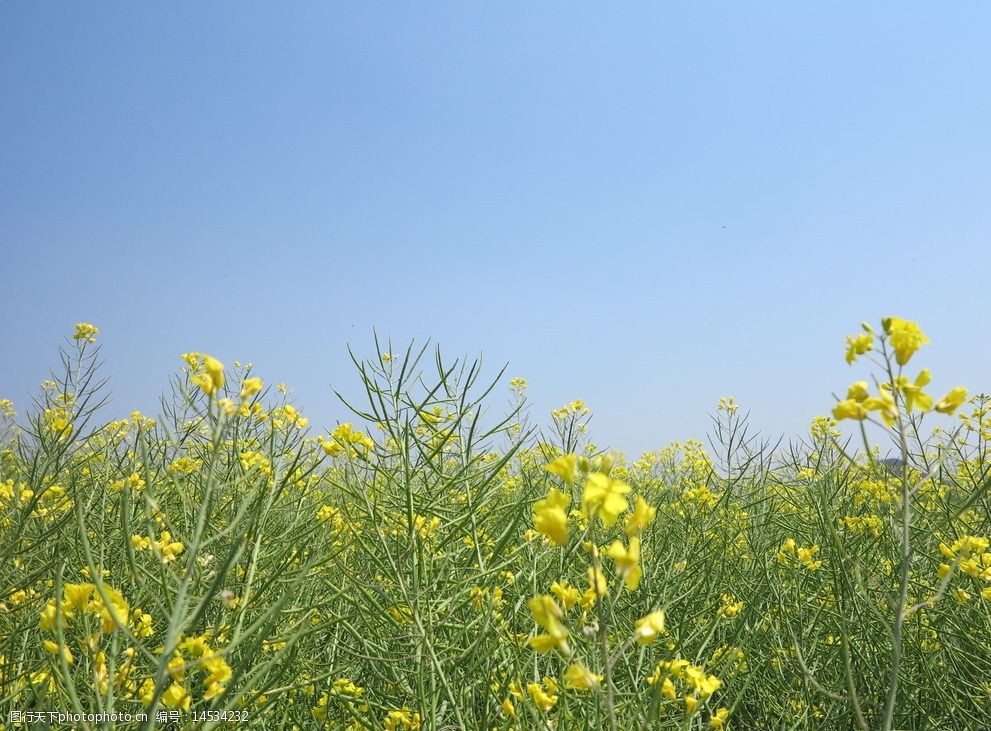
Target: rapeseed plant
428, 564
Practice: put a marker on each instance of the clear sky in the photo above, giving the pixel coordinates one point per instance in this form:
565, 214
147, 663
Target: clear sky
647, 206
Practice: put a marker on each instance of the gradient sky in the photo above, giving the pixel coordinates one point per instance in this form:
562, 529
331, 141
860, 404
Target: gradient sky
647, 206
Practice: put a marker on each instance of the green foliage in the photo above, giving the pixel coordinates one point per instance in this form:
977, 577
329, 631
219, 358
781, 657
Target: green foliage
222, 559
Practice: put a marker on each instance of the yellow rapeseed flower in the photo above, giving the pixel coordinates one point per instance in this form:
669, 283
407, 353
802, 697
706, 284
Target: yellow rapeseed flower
568, 595
405, 719
857, 345
548, 615
565, 467
215, 369
627, 561
54, 649
915, 398
642, 516
668, 690
597, 585
853, 407
85, 332
605, 497
884, 404
579, 677
211, 378
176, 697
551, 518
906, 337
116, 613
251, 386
949, 403
719, 718
544, 699
168, 548
730, 606
77, 595
647, 628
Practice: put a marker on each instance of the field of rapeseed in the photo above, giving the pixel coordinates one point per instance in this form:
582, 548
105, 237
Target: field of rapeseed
439, 564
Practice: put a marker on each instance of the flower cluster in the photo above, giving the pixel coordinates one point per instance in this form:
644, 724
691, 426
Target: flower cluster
905, 338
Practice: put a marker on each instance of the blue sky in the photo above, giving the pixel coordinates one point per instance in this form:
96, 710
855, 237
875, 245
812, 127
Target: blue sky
647, 207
